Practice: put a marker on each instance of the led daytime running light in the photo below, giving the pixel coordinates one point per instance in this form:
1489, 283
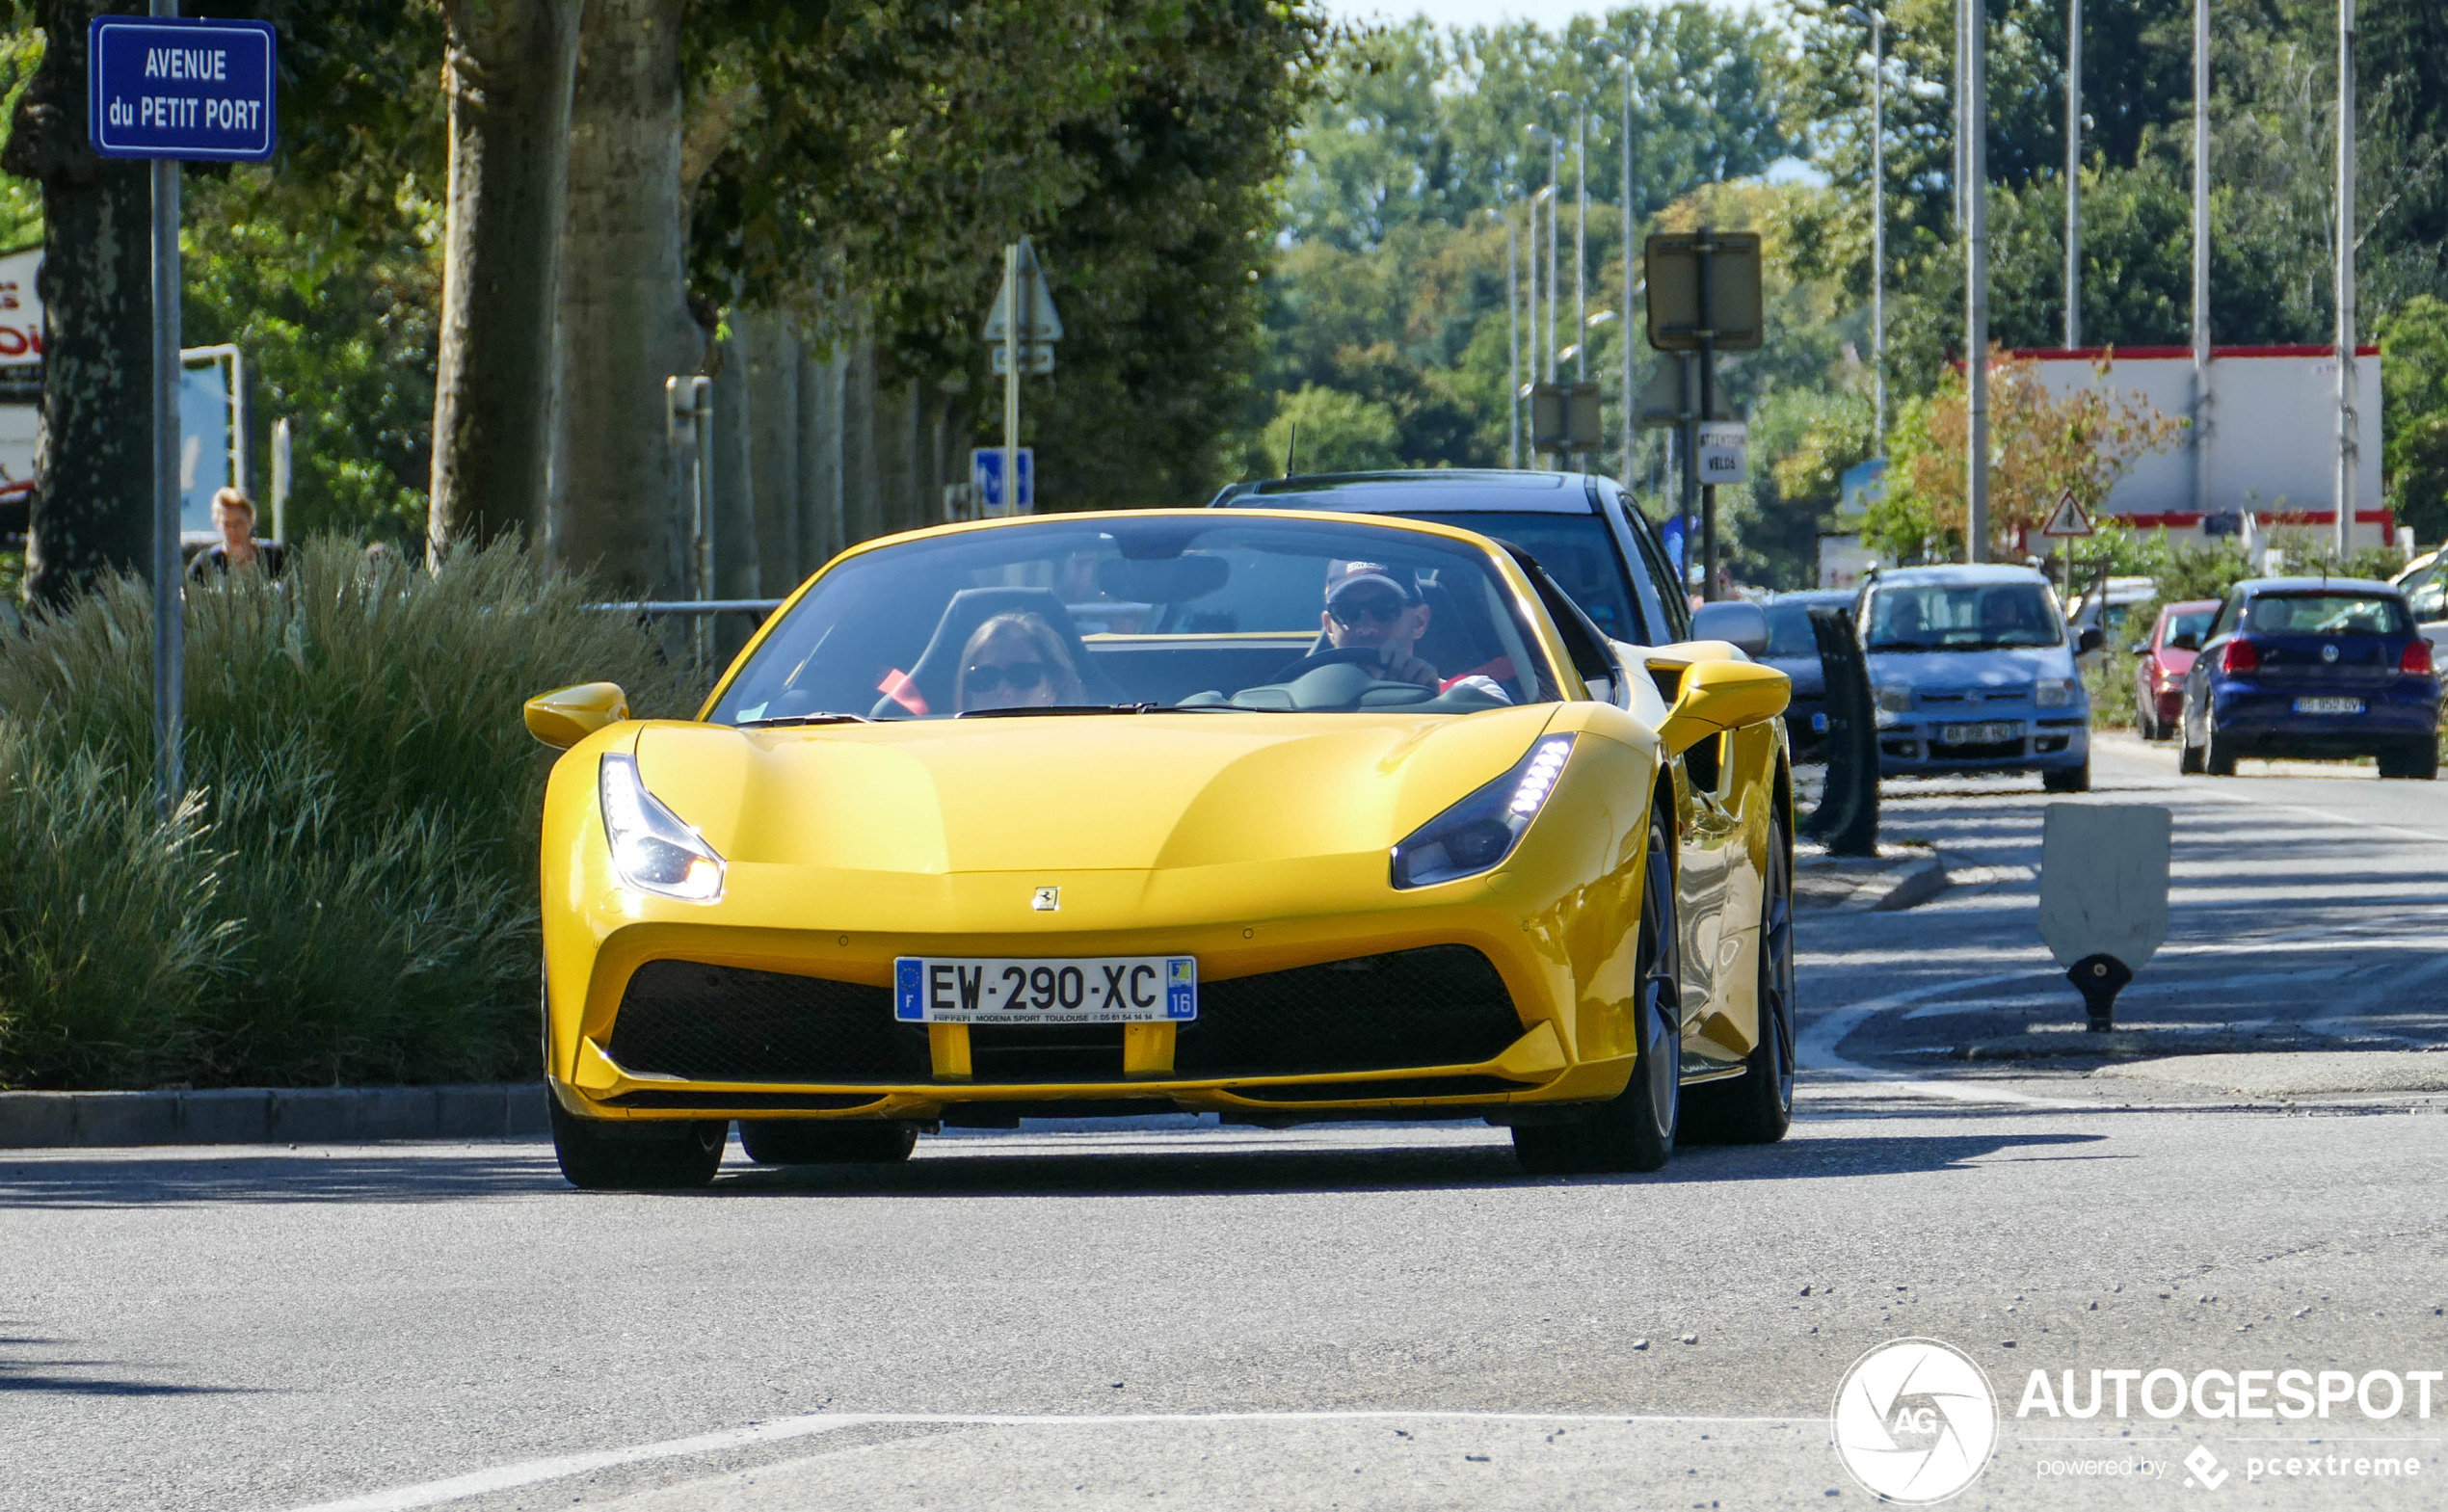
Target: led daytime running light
652, 848
1546, 763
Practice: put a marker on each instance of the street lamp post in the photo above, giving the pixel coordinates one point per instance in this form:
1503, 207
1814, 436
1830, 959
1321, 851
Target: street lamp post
2347, 439
1512, 348
2074, 174
1877, 21
1632, 391
1973, 16
2202, 396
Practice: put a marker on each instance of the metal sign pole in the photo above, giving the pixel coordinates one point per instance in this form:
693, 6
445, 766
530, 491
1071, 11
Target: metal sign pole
1704, 249
1011, 381
170, 630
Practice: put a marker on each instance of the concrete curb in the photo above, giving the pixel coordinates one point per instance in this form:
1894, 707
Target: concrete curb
1866, 885
272, 1115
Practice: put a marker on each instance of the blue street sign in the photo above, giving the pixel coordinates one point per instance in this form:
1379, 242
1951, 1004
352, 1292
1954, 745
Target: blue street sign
986, 469
170, 88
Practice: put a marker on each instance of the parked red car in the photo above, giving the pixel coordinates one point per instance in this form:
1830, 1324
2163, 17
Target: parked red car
2158, 677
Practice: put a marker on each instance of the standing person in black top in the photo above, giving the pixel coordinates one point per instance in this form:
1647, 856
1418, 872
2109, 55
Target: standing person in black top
233, 515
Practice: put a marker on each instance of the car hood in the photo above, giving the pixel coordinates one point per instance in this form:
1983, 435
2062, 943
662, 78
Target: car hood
1075, 792
1984, 669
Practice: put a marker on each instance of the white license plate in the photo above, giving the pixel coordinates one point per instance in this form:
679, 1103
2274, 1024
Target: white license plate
2328, 706
1021, 990
1987, 734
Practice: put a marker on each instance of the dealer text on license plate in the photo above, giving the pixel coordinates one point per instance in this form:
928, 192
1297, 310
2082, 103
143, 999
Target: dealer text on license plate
1082, 990
1988, 734
2328, 706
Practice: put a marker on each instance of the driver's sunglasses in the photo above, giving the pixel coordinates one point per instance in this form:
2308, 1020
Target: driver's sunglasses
987, 676
1350, 611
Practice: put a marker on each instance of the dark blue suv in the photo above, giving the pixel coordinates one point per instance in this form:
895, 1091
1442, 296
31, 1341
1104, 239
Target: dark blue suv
2312, 667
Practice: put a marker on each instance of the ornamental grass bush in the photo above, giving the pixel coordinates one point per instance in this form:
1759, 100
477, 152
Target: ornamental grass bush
348, 893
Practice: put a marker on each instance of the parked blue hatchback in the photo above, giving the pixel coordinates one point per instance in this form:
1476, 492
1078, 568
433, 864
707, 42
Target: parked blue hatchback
2312, 667
1973, 670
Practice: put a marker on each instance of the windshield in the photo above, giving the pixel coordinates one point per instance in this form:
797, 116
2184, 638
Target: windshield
1578, 551
1141, 612
1961, 617
2195, 624
2326, 614
1789, 630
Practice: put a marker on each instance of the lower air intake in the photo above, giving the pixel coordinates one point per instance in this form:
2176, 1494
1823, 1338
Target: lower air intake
1443, 1005
727, 1023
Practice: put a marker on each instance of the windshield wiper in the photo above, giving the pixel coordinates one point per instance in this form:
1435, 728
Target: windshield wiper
1026, 710
778, 721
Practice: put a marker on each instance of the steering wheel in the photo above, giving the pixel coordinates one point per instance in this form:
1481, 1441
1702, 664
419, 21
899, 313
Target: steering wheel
1331, 656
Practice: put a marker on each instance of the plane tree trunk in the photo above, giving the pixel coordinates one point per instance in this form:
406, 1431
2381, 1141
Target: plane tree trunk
91, 511
507, 72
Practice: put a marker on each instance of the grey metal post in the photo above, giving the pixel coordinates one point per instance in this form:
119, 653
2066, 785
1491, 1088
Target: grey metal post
1705, 247
1688, 435
1976, 283
1581, 247
2201, 398
284, 458
1632, 390
1555, 226
1536, 366
169, 629
1512, 348
1878, 227
2347, 439
1011, 381
2074, 174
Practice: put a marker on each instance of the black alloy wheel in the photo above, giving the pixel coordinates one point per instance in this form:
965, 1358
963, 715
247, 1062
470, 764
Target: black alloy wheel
1757, 1107
795, 1141
646, 1155
1636, 1131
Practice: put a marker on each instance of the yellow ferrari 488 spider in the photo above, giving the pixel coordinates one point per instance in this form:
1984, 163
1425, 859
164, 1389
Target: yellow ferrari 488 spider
1280, 816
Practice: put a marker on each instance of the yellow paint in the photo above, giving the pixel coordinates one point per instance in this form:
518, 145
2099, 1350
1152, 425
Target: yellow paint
948, 1047
1147, 1051
566, 716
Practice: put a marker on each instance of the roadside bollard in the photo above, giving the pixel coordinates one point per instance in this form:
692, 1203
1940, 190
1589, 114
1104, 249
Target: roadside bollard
2104, 896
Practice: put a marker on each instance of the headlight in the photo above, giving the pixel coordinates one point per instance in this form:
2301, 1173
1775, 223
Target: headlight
1895, 700
652, 849
1478, 834
2053, 692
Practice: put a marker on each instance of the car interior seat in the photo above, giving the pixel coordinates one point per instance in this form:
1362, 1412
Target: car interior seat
938, 670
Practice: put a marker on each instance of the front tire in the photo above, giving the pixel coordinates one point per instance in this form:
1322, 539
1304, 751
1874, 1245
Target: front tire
647, 1155
786, 1141
1757, 1107
1636, 1131
2067, 779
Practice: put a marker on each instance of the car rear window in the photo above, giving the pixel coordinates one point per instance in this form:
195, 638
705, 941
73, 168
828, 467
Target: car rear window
2328, 614
1578, 551
1789, 631
2192, 625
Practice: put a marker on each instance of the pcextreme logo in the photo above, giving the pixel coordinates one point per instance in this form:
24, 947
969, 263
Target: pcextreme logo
1915, 1420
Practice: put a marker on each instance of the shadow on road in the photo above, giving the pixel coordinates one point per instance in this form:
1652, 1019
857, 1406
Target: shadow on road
399, 1174
31, 1376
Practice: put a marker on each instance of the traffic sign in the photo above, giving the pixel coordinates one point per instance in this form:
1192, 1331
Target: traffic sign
1042, 323
1035, 358
986, 470
2068, 518
1735, 320
167, 86
1725, 451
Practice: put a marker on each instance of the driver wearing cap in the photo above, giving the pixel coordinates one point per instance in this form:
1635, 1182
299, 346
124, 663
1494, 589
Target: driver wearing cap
1374, 607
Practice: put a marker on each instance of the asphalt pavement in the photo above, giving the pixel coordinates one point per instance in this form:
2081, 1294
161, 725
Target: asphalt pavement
1373, 1316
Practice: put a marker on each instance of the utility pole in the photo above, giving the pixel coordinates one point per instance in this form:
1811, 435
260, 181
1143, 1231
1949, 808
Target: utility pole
2347, 439
1878, 227
1015, 345
1581, 245
1976, 282
1554, 225
2074, 174
1512, 349
2201, 398
1632, 391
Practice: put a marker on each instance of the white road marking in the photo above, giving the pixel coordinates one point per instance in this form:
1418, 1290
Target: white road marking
509, 1478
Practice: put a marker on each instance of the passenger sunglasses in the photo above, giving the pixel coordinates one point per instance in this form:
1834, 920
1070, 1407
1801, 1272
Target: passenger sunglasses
1352, 611
1018, 675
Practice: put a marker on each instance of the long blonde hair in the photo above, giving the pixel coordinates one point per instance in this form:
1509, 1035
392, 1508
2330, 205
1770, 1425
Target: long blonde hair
1040, 638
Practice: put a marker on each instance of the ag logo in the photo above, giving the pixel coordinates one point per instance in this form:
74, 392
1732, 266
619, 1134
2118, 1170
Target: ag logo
1915, 1420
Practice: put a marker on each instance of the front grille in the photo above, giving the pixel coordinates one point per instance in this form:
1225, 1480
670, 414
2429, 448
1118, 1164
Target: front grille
1444, 1005
1021, 1052
726, 1024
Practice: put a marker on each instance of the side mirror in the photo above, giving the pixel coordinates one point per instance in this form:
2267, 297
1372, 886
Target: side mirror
1732, 620
566, 716
2091, 640
1718, 696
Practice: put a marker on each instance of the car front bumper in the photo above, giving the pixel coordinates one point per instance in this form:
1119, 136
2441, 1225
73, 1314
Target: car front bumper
2052, 741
